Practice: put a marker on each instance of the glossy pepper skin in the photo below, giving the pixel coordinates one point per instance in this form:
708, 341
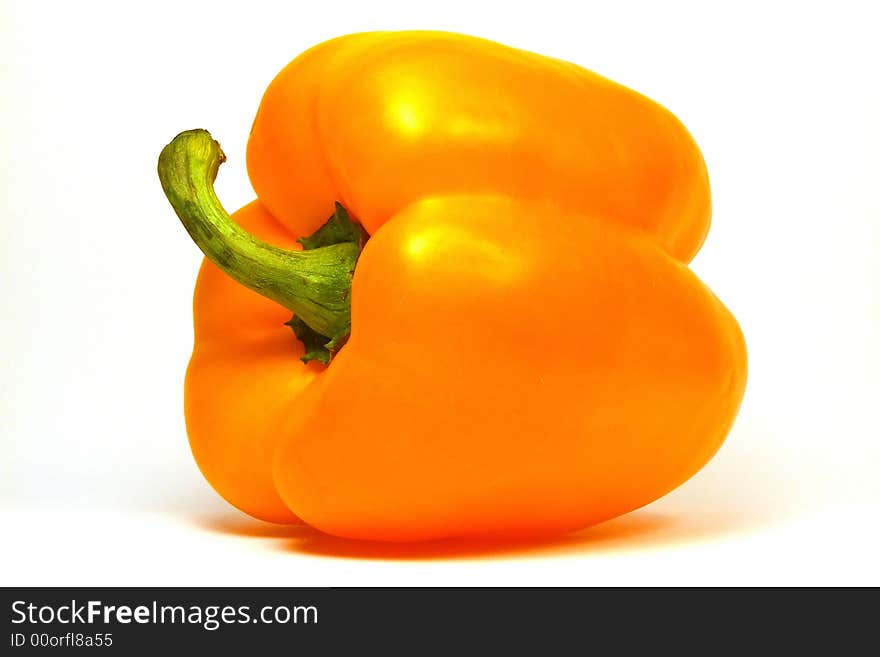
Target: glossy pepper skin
529, 353
381, 120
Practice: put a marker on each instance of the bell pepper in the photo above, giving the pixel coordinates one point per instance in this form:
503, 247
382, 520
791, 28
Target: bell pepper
495, 334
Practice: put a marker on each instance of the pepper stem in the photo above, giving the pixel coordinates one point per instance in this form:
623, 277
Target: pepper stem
315, 284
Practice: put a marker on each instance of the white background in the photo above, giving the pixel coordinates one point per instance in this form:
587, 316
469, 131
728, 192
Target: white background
98, 485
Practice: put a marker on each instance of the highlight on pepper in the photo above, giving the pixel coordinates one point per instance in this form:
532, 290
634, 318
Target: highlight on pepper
460, 305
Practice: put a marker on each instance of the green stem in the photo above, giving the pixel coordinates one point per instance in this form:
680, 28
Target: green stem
314, 284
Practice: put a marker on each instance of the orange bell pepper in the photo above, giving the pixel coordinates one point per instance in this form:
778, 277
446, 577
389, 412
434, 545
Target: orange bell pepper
501, 333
